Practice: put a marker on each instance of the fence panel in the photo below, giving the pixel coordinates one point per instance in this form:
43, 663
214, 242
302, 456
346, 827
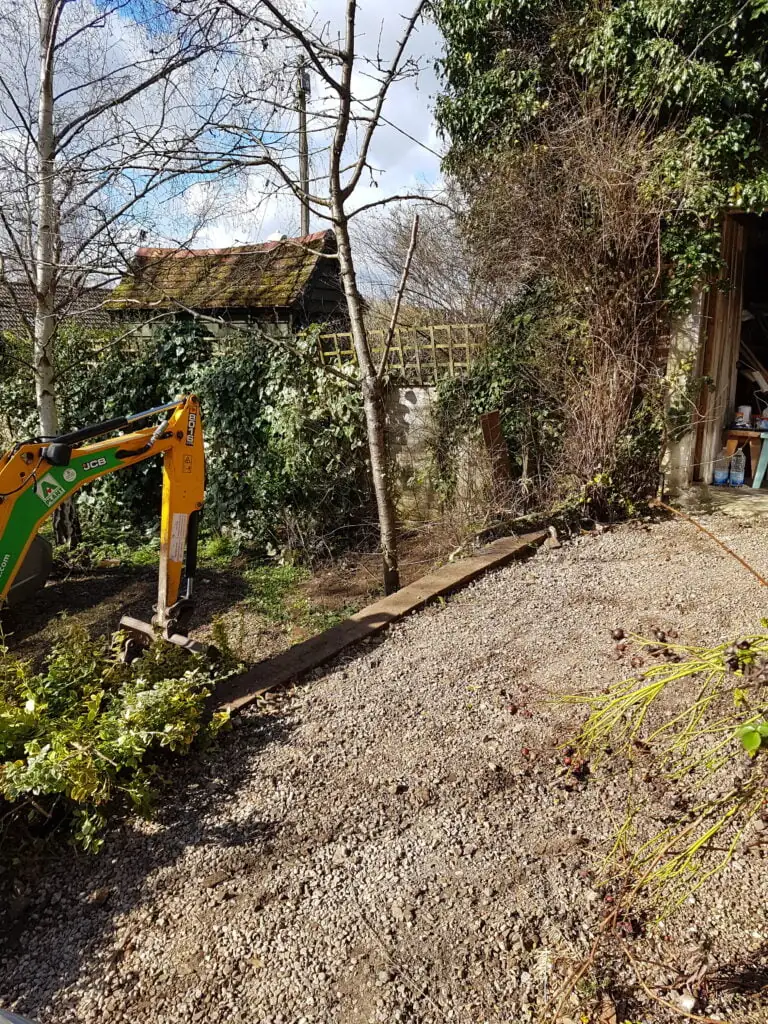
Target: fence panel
419, 356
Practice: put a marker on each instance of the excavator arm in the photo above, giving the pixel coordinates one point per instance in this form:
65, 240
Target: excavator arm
38, 476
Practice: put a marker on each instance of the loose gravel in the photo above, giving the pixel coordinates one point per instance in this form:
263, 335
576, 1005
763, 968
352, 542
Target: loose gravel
393, 842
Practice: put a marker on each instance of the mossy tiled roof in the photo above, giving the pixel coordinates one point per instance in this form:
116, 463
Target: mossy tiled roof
87, 308
264, 276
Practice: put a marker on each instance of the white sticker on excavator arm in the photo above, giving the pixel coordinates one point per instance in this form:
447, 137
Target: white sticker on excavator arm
49, 490
178, 537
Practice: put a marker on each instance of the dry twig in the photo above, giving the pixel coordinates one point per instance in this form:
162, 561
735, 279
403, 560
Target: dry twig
689, 519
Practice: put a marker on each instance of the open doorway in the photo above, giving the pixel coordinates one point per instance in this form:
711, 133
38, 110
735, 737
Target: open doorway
752, 363
733, 413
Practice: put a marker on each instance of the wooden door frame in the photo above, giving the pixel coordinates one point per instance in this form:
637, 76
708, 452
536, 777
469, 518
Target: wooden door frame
720, 350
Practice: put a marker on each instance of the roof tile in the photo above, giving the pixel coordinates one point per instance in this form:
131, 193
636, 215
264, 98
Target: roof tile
86, 308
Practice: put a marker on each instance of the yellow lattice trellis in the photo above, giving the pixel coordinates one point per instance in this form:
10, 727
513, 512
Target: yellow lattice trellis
418, 355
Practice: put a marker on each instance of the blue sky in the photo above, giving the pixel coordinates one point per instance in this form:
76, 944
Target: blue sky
406, 155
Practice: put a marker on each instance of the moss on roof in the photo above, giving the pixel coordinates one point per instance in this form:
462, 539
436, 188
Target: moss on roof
269, 275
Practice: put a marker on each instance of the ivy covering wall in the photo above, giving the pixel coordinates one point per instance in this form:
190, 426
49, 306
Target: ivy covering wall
598, 146
285, 441
695, 72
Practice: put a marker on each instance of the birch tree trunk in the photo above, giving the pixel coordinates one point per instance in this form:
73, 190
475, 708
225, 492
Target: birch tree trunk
45, 243
373, 404
66, 524
114, 115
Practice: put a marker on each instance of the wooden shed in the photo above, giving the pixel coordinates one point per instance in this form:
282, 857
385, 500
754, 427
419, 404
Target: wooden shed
291, 282
85, 307
723, 342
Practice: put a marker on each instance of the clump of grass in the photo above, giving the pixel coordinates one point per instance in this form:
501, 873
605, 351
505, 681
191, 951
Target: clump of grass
273, 589
275, 593
717, 730
107, 553
218, 551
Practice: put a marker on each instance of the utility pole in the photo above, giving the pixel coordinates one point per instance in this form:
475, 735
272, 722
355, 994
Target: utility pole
302, 92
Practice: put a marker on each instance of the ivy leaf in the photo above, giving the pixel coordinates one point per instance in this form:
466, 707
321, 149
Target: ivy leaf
750, 738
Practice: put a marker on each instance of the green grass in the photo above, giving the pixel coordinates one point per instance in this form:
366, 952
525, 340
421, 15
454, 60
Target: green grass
215, 552
90, 555
274, 591
218, 551
275, 594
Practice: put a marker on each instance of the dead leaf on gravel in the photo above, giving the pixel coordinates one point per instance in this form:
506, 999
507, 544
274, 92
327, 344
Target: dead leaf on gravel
99, 896
421, 796
214, 879
607, 1011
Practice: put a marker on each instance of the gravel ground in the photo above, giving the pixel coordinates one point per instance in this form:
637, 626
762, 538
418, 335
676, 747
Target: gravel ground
393, 842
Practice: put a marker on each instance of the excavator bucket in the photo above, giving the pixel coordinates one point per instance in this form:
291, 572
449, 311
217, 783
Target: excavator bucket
33, 574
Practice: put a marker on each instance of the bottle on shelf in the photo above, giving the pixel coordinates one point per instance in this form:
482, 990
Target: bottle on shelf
738, 464
722, 469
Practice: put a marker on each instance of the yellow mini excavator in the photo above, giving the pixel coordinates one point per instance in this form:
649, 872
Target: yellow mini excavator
37, 476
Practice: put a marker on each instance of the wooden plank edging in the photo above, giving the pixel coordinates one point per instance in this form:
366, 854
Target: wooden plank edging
239, 691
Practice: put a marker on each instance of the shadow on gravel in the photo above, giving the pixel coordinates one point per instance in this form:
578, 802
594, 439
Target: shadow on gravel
749, 976
70, 902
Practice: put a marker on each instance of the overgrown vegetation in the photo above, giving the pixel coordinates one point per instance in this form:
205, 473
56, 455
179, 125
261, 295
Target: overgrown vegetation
572, 450
597, 147
285, 441
706, 750
571, 222
693, 73
508, 378
82, 734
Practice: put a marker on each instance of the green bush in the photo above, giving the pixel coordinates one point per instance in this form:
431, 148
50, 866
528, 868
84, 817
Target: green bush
74, 347
285, 444
79, 735
517, 376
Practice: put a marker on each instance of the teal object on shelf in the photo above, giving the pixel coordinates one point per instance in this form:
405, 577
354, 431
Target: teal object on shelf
762, 464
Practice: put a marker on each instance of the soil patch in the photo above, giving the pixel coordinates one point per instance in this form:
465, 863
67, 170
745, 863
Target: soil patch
100, 596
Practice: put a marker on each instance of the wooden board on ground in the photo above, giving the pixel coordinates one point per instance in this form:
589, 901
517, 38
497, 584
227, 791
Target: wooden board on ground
266, 675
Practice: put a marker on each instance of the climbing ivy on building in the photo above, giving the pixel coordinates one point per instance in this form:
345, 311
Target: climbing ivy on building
694, 71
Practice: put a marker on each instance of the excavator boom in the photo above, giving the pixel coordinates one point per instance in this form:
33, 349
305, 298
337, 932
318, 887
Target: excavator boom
38, 476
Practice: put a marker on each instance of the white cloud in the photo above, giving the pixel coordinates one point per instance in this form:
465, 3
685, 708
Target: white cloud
404, 151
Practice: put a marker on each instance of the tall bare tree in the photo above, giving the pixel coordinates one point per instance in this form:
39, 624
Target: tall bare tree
343, 127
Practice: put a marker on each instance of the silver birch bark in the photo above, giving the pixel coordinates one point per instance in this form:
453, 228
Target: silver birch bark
45, 243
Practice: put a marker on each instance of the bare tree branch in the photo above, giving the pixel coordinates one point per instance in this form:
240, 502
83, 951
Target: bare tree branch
389, 78
399, 294
404, 197
314, 48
